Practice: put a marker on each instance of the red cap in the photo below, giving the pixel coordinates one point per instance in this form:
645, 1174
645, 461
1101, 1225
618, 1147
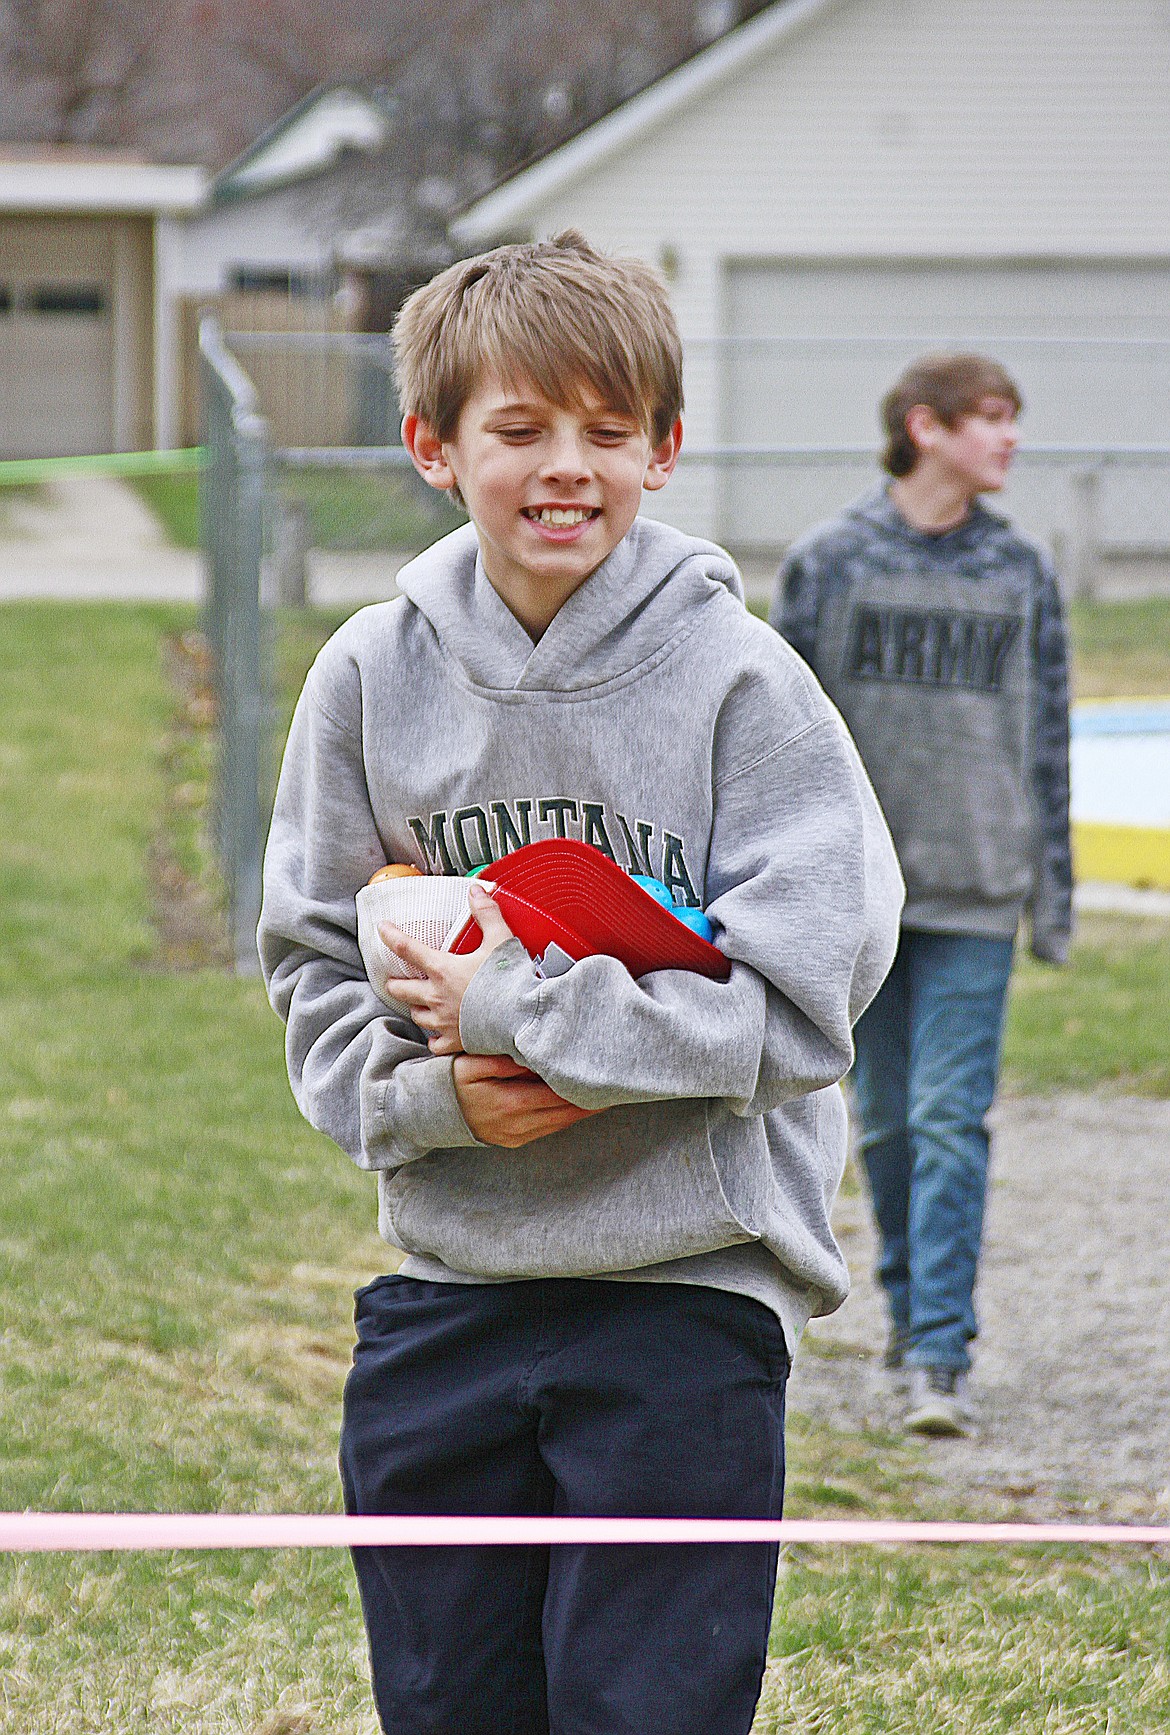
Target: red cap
564, 893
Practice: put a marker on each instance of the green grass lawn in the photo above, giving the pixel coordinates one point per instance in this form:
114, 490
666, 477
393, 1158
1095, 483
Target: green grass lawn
350, 510
174, 500
177, 1253
178, 1248
1102, 1021
1120, 647
358, 509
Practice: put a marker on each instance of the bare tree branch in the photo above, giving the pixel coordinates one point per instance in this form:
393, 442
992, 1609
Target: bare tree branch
478, 86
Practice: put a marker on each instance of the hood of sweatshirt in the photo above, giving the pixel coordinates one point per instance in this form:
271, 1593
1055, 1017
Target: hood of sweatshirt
628, 614
877, 509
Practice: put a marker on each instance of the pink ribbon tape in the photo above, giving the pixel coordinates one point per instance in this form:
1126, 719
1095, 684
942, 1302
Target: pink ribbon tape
75, 1532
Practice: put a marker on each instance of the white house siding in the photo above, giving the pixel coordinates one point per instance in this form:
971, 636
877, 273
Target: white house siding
271, 231
133, 406
977, 135
938, 128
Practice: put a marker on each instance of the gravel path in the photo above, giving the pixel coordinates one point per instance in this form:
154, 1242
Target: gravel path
1072, 1374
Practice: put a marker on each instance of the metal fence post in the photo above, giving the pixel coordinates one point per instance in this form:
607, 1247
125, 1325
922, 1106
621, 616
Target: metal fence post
233, 536
1085, 539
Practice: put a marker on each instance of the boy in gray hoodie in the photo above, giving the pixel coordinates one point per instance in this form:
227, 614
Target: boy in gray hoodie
937, 629
613, 1194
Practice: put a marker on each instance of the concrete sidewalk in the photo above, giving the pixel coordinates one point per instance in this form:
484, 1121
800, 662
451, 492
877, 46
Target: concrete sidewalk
91, 538
88, 538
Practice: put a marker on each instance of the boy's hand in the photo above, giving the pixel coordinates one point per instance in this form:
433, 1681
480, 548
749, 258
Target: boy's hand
505, 1104
433, 1000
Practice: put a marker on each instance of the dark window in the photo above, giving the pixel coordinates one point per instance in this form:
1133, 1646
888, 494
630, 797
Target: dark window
298, 285
5, 298
84, 299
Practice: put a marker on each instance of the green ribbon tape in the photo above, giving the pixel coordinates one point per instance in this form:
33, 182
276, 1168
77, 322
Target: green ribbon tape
16, 470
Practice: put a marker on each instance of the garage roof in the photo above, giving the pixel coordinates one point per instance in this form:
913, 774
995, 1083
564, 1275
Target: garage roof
69, 179
309, 138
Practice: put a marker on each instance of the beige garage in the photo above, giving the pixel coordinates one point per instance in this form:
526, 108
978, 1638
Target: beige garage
83, 347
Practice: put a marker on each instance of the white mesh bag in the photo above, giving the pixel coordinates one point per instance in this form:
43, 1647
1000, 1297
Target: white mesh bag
432, 908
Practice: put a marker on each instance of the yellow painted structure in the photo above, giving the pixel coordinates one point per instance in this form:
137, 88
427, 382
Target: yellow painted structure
1134, 855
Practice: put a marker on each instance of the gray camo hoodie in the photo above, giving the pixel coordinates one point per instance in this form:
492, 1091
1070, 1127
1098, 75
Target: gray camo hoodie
947, 656
658, 721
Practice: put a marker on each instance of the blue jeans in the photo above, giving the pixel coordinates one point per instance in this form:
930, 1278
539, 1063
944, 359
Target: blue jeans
927, 1061
565, 1395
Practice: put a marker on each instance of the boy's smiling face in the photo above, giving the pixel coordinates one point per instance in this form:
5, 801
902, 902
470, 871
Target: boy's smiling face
551, 488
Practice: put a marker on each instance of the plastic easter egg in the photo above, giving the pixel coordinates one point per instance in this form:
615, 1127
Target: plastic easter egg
395, 870
695, 920
660, 893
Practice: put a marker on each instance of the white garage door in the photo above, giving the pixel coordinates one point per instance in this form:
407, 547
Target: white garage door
56, 337
814, 347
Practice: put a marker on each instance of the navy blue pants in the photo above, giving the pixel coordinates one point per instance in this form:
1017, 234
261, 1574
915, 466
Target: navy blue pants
573, 1397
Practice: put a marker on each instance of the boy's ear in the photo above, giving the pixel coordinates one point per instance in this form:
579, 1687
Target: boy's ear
427, 453
922, 425
663, 459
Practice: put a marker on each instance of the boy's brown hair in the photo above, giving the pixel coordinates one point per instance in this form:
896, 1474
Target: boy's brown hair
555, 312
953, 386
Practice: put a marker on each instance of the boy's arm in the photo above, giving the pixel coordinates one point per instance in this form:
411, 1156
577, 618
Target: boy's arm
1051, 903
805, 886
795, 605
359, 1073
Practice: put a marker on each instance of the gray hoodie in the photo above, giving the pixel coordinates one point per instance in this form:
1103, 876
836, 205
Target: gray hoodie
658, 721
947, 656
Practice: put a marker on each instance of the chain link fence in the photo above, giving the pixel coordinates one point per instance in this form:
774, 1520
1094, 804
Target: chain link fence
233, 516
793, 421
781, 433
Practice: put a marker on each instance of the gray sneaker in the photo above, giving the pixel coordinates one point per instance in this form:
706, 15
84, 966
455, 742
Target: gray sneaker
939, 1403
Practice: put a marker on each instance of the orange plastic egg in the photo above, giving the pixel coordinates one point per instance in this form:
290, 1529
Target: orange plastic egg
395, 870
